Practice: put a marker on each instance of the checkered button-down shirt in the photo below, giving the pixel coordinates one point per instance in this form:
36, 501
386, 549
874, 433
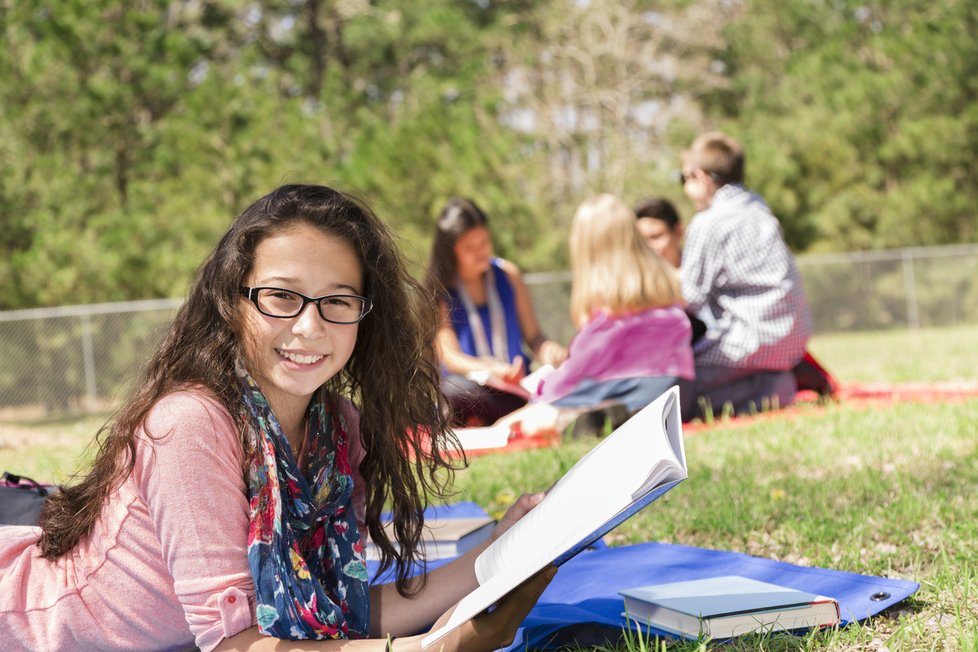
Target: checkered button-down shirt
740, 278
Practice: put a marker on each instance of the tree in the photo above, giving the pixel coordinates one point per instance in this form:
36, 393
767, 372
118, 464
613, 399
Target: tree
597, 89
87, 92
859, 118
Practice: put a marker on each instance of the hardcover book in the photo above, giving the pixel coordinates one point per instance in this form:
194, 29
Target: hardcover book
524, 388
726, 607
444, 537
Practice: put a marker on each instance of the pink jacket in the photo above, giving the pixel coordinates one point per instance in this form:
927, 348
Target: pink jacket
166, 564
650, 343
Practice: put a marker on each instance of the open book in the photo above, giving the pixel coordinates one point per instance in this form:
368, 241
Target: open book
633, 466
525, 388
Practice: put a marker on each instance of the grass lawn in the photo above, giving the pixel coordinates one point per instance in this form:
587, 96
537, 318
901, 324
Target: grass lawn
881, 491
900, 356
889, 491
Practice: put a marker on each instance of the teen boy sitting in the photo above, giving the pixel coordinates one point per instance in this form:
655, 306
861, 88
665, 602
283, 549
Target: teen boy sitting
739, 277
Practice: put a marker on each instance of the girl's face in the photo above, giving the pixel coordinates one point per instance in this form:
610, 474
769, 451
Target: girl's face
291, 358
473, 252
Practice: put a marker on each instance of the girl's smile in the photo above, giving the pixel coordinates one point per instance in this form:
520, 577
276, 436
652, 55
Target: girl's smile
301, 360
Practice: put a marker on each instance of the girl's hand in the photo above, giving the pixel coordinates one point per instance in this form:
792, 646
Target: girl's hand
512, 372
552, 353
490, 630
516, 511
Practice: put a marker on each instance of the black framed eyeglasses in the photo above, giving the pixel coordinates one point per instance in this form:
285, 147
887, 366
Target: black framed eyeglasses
282, 303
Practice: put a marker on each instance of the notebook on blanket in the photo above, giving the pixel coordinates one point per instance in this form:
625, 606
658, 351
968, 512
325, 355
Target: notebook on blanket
582, 603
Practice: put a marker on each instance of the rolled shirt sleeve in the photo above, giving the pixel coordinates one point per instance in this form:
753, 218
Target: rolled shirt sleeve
189, 472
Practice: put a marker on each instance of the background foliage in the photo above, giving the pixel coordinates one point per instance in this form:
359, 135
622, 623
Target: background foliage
131, 132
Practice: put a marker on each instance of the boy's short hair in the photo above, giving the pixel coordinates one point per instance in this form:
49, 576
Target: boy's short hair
659, 208
717, 154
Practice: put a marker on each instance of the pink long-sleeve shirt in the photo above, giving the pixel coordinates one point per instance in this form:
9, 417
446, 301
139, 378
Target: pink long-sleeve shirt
654, 342
166, 565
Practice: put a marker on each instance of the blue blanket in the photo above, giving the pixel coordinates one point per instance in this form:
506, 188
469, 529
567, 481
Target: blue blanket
582, 604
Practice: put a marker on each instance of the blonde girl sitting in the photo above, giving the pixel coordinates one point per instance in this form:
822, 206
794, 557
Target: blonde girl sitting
633, 334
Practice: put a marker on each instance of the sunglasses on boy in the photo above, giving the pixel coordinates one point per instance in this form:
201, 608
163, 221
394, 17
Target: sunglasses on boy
683, 177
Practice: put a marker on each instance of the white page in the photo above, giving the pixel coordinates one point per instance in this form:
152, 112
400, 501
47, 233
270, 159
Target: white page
597, 488
483, 437
531, 382
602, 483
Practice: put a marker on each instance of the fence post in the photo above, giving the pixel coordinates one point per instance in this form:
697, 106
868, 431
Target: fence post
910, 286
88, 360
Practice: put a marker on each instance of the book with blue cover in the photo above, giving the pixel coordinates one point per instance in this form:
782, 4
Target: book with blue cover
727, 606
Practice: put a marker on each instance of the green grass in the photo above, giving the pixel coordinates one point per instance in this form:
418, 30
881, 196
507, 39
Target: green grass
890, 491
49, 451
900, 356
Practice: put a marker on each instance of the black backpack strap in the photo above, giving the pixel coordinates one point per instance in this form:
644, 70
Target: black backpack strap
22, 481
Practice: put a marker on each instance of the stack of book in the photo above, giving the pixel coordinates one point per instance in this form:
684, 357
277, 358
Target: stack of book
443, 537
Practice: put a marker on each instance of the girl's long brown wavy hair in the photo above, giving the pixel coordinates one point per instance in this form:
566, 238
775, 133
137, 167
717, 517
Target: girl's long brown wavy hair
392, 375
459, 216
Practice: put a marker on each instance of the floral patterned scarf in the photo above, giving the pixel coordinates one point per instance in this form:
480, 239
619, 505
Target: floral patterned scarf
304, 547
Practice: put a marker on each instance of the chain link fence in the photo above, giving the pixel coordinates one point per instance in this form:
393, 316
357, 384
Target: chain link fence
903, 288
58, 362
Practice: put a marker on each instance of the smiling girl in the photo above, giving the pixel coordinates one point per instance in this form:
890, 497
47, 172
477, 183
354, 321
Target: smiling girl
231, 495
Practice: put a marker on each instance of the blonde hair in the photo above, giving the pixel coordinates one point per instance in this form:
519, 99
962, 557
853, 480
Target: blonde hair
613, 268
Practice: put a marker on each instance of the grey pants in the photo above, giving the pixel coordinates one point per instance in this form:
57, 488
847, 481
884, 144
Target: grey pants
633, 393
720, 390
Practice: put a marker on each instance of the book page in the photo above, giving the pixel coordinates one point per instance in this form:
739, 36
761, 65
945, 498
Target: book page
627, 464
481, 437
531, 382
525, 388
586, 501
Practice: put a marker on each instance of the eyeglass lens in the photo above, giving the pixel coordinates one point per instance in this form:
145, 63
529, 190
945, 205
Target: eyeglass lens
336, 308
